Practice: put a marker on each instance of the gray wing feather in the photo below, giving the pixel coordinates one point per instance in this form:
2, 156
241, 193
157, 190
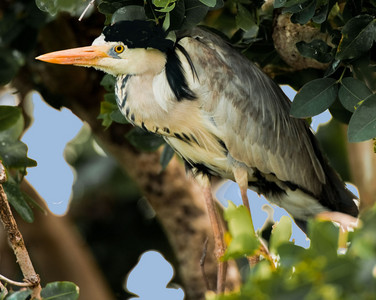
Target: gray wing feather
252, 113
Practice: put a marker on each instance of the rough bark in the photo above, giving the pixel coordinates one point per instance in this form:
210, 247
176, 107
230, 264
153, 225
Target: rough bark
286, 35
17, 242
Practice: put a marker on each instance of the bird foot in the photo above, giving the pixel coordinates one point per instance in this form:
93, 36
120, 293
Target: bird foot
346, 222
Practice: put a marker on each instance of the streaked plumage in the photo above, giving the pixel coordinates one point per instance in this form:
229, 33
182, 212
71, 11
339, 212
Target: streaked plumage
231, 115
219, 112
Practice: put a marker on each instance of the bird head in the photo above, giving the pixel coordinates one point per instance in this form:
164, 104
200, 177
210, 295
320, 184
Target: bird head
126, 47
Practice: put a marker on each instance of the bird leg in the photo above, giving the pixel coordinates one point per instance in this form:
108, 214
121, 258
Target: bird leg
241, 178
216, 224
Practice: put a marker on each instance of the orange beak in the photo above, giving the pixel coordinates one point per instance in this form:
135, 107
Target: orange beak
83, 56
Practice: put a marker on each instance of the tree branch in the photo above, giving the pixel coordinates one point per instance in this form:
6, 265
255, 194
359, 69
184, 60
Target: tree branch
16, 240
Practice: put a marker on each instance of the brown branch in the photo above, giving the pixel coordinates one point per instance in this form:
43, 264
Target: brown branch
16, 240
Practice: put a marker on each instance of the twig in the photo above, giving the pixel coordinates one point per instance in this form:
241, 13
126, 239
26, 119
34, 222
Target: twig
17, 283
17, 242
85, 10
3, 175
3, 290
202, 263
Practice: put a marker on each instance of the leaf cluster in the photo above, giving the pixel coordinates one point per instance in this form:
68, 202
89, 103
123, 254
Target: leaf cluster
19, 27
59, 290
322, 271
347, 86
13, 155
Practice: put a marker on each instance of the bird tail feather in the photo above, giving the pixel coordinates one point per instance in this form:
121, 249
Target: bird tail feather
334, 194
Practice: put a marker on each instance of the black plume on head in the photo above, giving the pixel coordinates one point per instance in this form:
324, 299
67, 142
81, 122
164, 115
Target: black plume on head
138, 34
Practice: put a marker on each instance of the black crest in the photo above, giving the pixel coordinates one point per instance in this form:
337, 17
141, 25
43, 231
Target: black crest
138, 34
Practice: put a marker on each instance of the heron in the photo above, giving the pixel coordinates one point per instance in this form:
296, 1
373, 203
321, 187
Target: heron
221, 114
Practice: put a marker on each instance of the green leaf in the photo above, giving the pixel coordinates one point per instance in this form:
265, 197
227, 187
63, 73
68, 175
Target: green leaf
33, 204
339, 112
210, 3
143, 140
167, 9
324, 238
166, 22
161, 3
290, 254
333, 67
287, 3
110, 98
357, 37
244, 19
314, 97
279, 3
365, 70
302, 17
16, 199
128, 13
54, 6
20, 295
107, 9
321, 14
177, 17
62, 290
166, 156
362, 125
106, 110
281, 233
108, 82
9, 115
118, 117
362, 245
352, 92
195, 12
244, 241
13, 153
9, 65
317, 49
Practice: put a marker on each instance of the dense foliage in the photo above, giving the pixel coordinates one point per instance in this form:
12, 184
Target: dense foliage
322, 271
345, 83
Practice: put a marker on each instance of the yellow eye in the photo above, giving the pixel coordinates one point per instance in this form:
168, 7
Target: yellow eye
119, 48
